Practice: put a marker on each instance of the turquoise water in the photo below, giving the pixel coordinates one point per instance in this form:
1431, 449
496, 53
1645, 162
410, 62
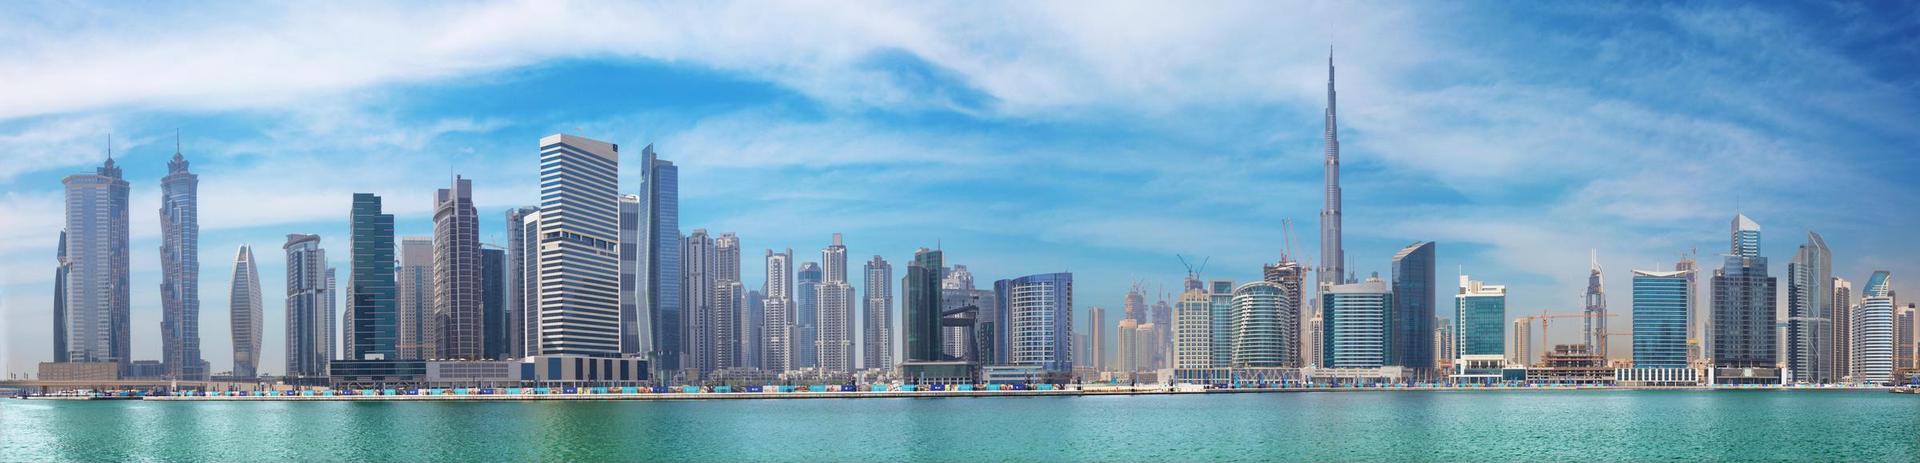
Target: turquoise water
1317, 426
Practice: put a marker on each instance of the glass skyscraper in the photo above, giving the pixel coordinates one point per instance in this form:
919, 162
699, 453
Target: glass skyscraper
97, 300
1810, 313
372, 321
660, 263
1410, 328
1873, 331
806, 315
876, 337
921, 307
1220, 315
247, 315
1480, 319
1744, 301
1660, 306
459, 314
493, 302
180, 272
1257, 342
310, 301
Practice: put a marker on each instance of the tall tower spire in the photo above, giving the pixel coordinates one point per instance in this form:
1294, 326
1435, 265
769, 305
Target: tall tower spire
1332, 256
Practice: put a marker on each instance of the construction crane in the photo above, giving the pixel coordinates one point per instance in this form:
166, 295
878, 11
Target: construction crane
1545, 317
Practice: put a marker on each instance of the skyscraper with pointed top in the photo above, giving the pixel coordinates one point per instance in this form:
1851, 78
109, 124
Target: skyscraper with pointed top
1745, 347
248, 319
1596, 310
1810, 313
97, 299
1332, 256
180, 271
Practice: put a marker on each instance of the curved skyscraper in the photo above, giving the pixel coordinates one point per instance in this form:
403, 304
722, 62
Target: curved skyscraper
1038, 310
1290, 277
1410, 332
1257, 341
1873, 331
180, 271
660, 261
246, 316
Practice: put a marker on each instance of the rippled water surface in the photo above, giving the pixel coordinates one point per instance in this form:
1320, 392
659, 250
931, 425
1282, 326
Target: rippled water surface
1319, 426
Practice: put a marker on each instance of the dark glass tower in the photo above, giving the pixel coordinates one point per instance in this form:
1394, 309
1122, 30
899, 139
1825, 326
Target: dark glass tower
921, 306
372, 323
1410, 325
1743, 304
806, 315
493, 303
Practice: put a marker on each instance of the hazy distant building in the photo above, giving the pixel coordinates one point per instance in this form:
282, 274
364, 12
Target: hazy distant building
1660, 307
310, 303
1356, 324
1097, 338
834, 301
1744, 301
60, 303
877, 334
458, 310
1596, 310
1445, 346
1903, 338
579, 266
372, 325
1809, 313
1126, 337
753, 332
1193, 331
806, 315
180, 272
1521, 349
777, 313
1410, 326
246, 316
97, 298
414, 307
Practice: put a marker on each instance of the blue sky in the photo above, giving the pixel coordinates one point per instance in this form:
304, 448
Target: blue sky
1093, 137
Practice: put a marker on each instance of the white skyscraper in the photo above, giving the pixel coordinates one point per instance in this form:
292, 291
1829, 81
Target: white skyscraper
579, 263
97, 298
247, 319
1873, 332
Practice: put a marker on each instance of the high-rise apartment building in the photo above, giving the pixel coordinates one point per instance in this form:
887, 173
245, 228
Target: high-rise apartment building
310, 302
414, 307
1128, 358
459, 311
1410, 329
834, 298
1903, 339
578, 248
1520, 351
1220, 316
1038, 311
247, 314
1193, 330
60, 300
1744, 301
699, 259
1661, 302
1809, 313
1356, 324
876, 337
777, 313
372, 324
180, 271
97, 300
1873, 331
636, 322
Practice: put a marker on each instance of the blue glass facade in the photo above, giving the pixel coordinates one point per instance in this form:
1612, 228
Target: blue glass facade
806, 315
1660, 302
660, 222
374, 325
1410, 328
1480, 316
1354, 326
1220, 313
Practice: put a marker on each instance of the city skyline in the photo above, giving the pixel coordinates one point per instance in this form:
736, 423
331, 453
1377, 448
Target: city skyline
749, 128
